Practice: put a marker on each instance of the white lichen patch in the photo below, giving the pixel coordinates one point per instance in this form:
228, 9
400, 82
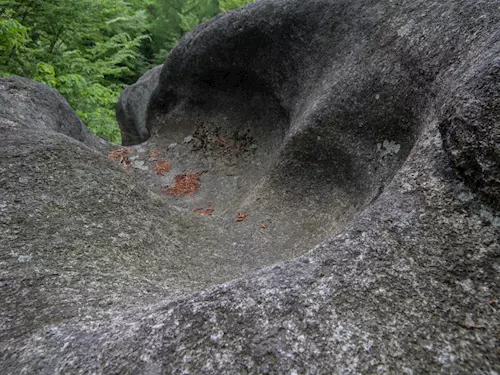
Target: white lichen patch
21, 258
466, 196
406, 29
388, 148
488, 216
139, 164
467, 285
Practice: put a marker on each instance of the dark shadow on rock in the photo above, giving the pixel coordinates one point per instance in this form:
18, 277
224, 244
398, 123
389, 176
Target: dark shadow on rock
132, 105
470, 121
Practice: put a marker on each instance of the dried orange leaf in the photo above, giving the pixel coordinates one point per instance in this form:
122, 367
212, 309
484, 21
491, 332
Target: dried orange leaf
162, 166
265, 226
241, 216
207, 212
186, 183
121, 155
127, 162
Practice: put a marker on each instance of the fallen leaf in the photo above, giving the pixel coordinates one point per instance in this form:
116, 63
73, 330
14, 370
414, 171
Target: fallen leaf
207, 212
241, 216
127, 162
120, 151
265, 226
121, 155
186, 183
162, 166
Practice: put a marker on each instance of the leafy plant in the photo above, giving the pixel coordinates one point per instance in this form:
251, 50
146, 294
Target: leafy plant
90, 49
86, 49
226, 5
174, 18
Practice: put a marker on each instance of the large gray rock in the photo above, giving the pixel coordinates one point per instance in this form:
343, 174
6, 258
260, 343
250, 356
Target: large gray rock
132, 106
35, 106
470, 121
360, 137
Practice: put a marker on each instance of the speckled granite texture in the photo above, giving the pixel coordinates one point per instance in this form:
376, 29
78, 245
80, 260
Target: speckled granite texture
361, 137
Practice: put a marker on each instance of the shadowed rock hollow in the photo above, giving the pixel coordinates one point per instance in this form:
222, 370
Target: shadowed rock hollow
131, 108
362, 140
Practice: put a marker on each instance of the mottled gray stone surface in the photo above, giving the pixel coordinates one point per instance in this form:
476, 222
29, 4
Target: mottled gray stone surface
33, 105
471, 112
361, 137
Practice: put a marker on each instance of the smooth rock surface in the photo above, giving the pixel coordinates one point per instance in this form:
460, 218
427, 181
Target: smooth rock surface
360, 137
33, 105
132, 106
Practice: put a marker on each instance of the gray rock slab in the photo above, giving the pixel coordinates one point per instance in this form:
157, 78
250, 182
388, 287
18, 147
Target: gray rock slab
33, 105
360, 137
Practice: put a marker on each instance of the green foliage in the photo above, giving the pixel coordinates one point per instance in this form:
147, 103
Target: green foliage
13, 35
90, 49
86, 49
173, 18
226, 5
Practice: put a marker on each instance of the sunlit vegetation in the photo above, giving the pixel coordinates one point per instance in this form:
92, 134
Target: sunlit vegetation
90, 49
